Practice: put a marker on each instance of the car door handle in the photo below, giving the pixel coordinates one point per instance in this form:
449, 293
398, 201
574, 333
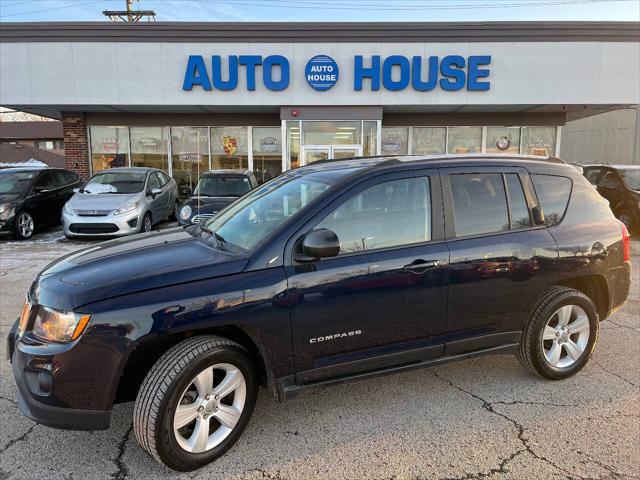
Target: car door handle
421, 266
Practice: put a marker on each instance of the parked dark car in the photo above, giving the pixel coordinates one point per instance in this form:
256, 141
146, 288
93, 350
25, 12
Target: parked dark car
620, 184
336, 271
33, 198
214, 191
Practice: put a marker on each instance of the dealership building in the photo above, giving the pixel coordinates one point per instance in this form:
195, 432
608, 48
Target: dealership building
190, 97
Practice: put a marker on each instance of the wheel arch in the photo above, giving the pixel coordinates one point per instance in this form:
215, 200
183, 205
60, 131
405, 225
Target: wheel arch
148, 351
593, 286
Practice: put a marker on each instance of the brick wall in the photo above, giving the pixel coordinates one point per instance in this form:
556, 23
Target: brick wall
76, 150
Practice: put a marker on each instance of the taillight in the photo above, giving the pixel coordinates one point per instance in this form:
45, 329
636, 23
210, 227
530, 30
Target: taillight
626, 243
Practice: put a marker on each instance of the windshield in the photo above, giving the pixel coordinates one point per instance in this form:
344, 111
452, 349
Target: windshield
112, 182
253, 218
210, 186
15, 182
631, 177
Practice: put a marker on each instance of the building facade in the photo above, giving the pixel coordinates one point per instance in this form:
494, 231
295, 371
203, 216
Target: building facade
45, 135
189, 97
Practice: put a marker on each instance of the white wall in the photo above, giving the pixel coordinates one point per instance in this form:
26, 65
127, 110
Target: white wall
108, 73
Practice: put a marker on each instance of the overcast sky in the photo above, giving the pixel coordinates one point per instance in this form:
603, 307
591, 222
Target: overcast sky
327, 10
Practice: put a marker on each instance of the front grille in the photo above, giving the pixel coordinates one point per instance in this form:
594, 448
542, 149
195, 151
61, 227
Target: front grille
202, 217
92, 213
93, 228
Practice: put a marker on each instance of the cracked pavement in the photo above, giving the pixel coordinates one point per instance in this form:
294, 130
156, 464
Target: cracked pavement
483, 417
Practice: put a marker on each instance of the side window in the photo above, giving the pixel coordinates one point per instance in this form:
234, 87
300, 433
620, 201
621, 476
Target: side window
553, 194
591, 174
389, 214
61, 179
610, 180
517, 202
45, 182
479, 203
153, 181
163, 179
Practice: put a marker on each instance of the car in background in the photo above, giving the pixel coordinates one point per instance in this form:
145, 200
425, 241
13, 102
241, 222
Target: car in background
32, 198
120, 201
620, 184
214, 191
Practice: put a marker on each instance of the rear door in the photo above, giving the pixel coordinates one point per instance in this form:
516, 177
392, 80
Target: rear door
43, 200
500, 261
383, 300
158, 202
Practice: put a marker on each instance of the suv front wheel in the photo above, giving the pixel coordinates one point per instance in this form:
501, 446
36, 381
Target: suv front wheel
195, 402
561, 334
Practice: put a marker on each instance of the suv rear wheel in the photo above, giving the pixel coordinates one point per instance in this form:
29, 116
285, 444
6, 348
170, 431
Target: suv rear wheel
561, 334
195, 402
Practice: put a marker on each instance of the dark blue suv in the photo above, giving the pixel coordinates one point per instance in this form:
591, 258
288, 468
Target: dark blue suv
336, 271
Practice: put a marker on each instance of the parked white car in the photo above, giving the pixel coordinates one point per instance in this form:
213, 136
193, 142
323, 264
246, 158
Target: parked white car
120, 201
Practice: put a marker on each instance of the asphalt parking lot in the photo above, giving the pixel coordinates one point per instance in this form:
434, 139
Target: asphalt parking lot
479, 418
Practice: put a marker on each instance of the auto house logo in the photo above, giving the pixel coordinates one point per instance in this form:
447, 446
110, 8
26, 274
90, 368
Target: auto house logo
270, 144
150, 142
391, 144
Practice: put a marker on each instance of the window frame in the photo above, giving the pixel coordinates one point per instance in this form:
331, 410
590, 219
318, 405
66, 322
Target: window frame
566, 207
348, 192
449, 214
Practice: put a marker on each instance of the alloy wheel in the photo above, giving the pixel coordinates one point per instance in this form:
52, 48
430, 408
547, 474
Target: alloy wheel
210, 408
25, 225
565, 336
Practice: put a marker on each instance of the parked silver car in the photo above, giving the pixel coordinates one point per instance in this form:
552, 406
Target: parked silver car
119, 202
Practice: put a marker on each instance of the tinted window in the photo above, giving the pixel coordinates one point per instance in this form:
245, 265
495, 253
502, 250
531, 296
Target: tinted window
610, 180
222, 186
67, 178
553, 194
46, 181
479, 203
164, 179
15, 182
385, 215
154, 181
631, 177
517, 202
591, 174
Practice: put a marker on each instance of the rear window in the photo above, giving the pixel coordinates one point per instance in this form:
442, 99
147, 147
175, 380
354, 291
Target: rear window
553, 194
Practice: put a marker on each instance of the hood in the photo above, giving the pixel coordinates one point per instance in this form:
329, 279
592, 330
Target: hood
102, 201
9, 197
126, 266
209, 204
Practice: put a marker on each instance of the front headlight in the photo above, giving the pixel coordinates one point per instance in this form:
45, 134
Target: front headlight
126, 208
185, 212
55, 326
68, 209
5, 208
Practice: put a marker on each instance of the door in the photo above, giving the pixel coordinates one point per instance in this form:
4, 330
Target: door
500, 261
44, 199
316, 153
610, 187
159, 202
382, 301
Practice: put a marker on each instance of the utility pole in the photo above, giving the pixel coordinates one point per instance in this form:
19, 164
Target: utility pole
129, 15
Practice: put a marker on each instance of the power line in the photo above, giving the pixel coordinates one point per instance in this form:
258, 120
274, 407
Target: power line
48, 9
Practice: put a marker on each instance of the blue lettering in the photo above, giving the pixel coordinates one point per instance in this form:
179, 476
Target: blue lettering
360, 72
196, 74
455, 77
387, 71
475, 73
416, 74
267, 72
216, 73
251, 61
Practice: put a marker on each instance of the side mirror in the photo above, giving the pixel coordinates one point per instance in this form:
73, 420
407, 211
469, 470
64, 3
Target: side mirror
538, 215
317, 244
155, 191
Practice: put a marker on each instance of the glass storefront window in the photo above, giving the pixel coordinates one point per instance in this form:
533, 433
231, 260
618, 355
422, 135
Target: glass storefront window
267, 153
109, 147
331, 133
428, 140
465, 140
149, 147
539, 141
503, 140
395, 141
293, 144
370, 138
229, 148
189, 157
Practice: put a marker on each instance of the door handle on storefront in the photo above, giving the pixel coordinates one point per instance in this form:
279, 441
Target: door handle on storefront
421, 266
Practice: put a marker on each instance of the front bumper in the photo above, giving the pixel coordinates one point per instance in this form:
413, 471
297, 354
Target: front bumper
35, 376
103, 226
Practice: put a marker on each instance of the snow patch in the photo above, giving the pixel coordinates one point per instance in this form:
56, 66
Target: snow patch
32, 162
99, 188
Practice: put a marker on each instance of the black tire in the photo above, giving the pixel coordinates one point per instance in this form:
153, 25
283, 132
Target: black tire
163, 388
625, 217
530, 352
176, 210
143, 227
17, 232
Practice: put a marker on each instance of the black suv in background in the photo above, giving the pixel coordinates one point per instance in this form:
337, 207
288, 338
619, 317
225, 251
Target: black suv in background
215, 190
336, 271
32, 198
620, 184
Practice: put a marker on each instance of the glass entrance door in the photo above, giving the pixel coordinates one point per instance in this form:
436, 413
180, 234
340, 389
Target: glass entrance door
316, 153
